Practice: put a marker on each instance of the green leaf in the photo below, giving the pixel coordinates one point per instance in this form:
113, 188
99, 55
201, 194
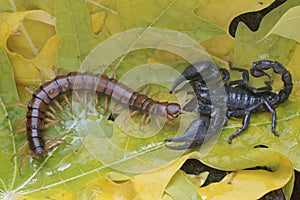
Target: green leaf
250, 46
288, 25
172, 14
73, 25
7, 82
79, 170
181, 188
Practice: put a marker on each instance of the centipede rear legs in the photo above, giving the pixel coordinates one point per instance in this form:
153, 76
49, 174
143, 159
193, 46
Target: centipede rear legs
49, 146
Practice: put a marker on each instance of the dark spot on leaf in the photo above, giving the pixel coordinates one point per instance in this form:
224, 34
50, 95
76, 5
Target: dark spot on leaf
252, 19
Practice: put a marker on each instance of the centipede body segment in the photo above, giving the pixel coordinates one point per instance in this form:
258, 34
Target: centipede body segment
76, 81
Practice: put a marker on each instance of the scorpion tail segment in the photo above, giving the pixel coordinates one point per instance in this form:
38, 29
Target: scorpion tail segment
257, 70
193, 136
287, 88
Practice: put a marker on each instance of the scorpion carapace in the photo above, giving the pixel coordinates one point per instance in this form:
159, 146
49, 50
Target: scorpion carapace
76, 81
241, 99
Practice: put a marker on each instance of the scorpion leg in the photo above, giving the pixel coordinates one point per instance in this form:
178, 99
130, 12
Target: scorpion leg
246, 121
225, 73
267, 88
193, 136
245, 76
272, 110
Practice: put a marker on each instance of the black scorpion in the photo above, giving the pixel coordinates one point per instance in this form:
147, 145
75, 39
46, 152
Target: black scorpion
241, 99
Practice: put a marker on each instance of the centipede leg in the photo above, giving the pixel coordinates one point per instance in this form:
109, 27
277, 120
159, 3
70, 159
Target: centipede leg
19, 130
24, 160
85, 100
25, 145
57, 71
50, 115
52, 110
144, 119
41, 75
96, 99
51, 124
22, 121
53, 140
77, 97
28, 90
20, 105
158, 124
105, 105
67, 101
147, 119
59, 106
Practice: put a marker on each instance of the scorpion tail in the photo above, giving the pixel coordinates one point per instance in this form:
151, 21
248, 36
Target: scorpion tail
286, 77
287, 87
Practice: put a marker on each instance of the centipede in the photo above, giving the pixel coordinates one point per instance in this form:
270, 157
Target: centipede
82, 81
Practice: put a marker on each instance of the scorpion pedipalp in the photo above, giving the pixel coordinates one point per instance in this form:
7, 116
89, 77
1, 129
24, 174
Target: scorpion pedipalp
193, 136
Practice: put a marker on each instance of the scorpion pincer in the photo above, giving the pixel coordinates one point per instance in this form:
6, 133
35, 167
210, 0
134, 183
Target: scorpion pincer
241, 99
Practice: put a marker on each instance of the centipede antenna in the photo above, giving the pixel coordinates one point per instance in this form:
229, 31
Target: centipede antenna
185, 104
186, 112
41, 75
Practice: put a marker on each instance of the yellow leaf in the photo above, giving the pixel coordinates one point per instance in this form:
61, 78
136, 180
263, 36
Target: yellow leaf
97, 21
288, 25
252, 184
25, 72
9, 22
149, 185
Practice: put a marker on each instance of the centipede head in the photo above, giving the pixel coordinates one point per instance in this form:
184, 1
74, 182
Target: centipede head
173, 110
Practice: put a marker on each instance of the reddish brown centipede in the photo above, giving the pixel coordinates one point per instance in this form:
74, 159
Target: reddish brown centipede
101, 84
